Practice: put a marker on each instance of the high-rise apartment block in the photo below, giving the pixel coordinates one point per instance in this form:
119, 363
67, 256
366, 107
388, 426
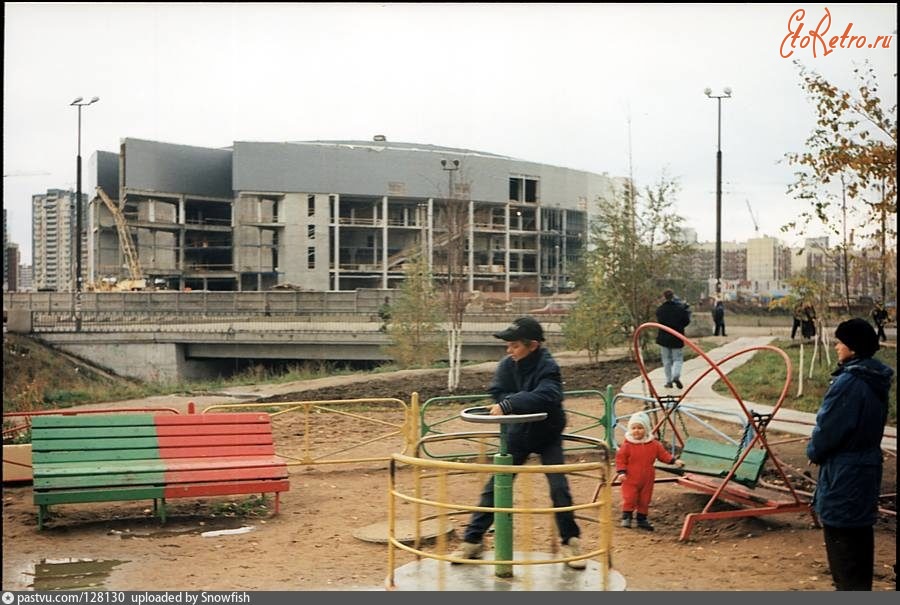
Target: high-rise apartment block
53, 240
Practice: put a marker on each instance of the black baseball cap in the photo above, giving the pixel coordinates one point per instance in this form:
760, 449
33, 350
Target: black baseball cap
523, 328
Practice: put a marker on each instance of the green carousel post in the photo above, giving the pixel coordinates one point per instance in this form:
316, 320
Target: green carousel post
503, 483
503, 498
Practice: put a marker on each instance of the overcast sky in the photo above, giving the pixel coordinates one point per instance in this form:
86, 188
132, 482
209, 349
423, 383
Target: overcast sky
561, 84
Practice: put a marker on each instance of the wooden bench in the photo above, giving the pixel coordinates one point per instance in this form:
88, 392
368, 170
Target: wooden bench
112, 457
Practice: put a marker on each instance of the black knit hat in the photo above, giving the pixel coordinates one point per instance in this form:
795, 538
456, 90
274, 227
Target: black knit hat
524, 328
859, 336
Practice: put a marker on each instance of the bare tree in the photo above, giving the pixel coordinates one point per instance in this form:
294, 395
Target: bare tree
456, 295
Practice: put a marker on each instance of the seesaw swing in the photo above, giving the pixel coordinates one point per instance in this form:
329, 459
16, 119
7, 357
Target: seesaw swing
728, 472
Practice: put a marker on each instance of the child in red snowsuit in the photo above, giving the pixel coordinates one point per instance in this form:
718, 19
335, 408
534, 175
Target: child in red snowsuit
634, 465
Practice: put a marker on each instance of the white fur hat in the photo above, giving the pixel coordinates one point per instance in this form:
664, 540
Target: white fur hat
642, 419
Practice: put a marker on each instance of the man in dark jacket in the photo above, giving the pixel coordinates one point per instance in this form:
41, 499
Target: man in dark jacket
673, 314
846, 444
528, 381
718, 314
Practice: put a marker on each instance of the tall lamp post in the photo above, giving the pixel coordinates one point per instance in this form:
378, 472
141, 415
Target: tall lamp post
79, 103
726, 94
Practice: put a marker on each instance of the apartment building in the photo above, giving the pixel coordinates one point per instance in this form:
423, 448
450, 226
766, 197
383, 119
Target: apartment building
53, 218
338, 215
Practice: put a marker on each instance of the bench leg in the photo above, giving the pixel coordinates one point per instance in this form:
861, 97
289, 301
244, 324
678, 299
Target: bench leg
277, 501
162, 510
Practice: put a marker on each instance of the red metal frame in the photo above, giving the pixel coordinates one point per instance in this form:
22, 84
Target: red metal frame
725, 489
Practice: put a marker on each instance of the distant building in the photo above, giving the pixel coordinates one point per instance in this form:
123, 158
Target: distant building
734, 261
53, 240
11, 268
25, 281
338, 215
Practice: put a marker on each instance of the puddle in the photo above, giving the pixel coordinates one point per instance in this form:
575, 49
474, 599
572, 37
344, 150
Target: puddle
72, 574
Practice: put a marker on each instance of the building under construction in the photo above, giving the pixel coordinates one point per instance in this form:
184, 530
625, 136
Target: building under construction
334, 215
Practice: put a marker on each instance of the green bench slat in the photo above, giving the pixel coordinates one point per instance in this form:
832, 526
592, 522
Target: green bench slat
94, 455
101, 480
87, 420
92, 432
100, 468
124, 443
98, 495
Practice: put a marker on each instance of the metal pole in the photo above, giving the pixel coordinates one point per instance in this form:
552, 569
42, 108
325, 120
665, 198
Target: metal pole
719, 205
726, 94
556, 254
78, 218
503, 528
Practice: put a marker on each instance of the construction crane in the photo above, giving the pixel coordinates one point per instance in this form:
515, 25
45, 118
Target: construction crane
753, 218
136, 281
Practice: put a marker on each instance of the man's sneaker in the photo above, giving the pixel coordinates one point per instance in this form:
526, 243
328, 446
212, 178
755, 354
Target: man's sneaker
468, 550
645, 524
626, 522
573, 549
668, 385
678, 384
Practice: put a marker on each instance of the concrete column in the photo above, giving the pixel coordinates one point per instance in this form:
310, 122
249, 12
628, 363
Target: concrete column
337, 242
430, 235
506, 246
539, 246
471, 245
563, 245
384, 242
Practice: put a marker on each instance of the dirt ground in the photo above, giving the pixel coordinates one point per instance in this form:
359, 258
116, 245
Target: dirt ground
311, 544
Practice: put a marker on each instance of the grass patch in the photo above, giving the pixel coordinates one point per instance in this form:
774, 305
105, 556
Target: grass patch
761, 379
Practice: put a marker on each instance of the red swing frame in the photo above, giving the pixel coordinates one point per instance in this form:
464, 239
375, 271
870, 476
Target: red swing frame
754, 504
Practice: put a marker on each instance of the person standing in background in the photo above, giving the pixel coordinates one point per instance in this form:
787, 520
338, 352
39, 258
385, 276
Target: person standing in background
718, 314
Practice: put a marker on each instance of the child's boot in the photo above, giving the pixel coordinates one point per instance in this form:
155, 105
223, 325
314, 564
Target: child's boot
644, 523
626, 520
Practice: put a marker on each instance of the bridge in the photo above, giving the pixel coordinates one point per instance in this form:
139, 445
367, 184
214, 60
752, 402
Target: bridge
174, 336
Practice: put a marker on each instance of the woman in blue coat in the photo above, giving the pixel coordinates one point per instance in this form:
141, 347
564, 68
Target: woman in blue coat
846, 444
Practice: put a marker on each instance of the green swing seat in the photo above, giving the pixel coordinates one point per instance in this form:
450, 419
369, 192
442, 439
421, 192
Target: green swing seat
705, 457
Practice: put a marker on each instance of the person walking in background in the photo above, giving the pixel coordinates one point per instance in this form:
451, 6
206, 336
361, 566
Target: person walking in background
528, 381
673, 314
880, 317
718, 314
846, 444
634, 467
808, 321
798, 319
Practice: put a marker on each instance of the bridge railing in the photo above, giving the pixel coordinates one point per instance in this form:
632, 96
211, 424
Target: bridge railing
357, 302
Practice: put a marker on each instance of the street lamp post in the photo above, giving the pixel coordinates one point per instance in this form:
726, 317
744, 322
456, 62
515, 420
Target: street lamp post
79, 103
556, 255
726, 94
451, 166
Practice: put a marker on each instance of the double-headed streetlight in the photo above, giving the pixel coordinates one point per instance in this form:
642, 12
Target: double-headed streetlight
726, 94
79, 103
